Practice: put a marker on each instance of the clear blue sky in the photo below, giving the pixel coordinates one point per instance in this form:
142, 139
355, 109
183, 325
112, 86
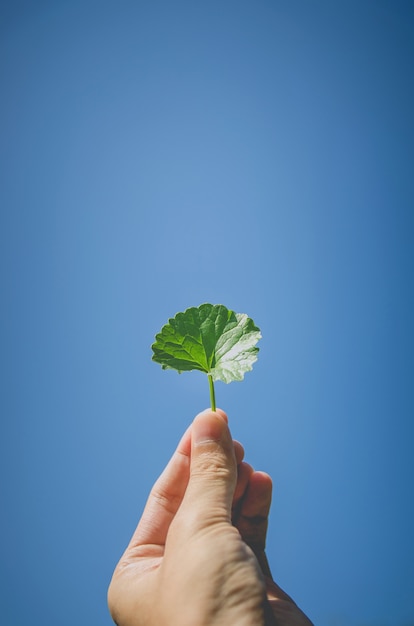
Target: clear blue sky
157, 155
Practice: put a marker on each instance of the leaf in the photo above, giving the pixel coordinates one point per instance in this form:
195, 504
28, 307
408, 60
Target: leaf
209, 338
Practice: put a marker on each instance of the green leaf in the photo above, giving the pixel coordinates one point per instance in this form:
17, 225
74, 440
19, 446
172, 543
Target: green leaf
209, 338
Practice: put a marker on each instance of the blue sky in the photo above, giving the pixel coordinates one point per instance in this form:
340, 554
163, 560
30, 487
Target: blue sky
158, 155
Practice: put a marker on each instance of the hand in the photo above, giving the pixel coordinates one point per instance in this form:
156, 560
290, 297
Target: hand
197, 556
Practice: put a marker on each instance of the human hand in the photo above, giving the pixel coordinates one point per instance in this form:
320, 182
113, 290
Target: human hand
197, 556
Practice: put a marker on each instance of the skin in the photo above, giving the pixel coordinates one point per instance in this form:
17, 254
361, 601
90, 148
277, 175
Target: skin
197, 556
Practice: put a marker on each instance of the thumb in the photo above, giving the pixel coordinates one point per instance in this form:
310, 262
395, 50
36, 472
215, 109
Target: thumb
213, 470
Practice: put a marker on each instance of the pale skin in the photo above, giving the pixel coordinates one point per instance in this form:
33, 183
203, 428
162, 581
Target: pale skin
197, 556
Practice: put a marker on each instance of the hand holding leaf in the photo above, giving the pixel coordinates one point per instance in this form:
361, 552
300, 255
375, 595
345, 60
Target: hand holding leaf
209, 338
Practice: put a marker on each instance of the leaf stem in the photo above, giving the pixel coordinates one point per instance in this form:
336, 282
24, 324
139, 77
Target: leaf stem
212, 394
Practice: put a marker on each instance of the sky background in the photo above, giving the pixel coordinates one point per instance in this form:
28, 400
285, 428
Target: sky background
157, 155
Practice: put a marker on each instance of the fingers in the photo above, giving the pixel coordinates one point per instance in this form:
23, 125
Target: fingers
258, 498
244, 472
238, 451
165, 497
167, 493
207, 474
251, 515
213, 471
